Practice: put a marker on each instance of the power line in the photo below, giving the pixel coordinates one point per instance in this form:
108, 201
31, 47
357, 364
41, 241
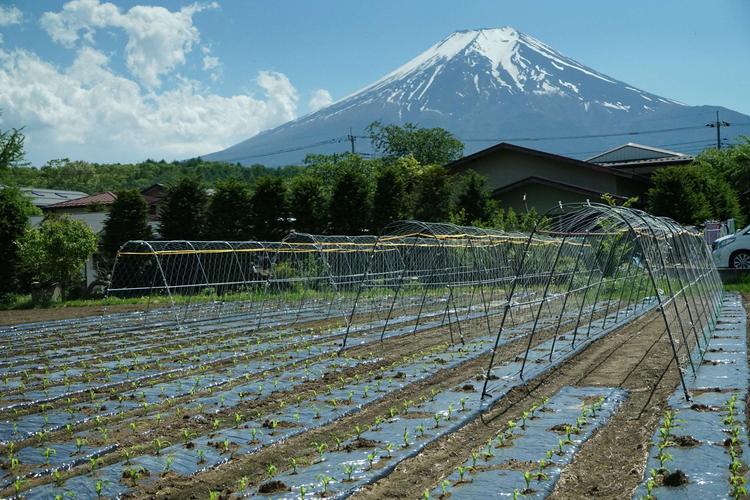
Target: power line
586, 136
351, 138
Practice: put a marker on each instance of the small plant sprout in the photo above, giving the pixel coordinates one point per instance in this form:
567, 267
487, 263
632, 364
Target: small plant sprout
201, 456
243, 483
560, 444
325, 481
271, 471
549, 454
293, 465
80, 443
524, 416
461, 472
48, 452
500, 440
348, 470
388, 449
216, 424
302, 491
321, 449
168, 463
568, 432
527, 477
213, 495
450, 411
378, 421
650, 489
426, 494
358, 430
474, 459
406, 438
436, 417
160, 444
371, 457
237, 419
392, 411
444, 487
133, 427
366, 390
420, 430
463, 404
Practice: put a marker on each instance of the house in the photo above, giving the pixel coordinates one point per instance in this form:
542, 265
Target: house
99, 202
153, 196
43, 198
640, 159
523, 178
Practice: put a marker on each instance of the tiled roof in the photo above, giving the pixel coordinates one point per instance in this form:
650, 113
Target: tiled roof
105, 198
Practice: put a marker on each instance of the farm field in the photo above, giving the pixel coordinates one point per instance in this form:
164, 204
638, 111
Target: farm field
432, 362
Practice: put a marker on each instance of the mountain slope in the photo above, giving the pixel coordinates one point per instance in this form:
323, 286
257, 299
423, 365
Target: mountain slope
486, 86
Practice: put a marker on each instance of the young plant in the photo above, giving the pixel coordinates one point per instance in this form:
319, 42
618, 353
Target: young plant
348, 470
271, 471
406, 438
325, 481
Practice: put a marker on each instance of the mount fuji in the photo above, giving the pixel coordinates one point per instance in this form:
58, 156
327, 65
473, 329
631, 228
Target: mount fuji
493, 85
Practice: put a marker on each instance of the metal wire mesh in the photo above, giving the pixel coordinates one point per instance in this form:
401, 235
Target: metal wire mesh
586, 269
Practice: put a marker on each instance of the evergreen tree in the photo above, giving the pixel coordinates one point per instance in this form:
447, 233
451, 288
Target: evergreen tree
474, 198
127, 220
349, 208
692, 194
270, 210
390, 199
229, 212
307, 204
183, 212
433, 195
15, 209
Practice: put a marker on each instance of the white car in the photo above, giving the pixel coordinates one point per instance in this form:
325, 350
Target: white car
733, 250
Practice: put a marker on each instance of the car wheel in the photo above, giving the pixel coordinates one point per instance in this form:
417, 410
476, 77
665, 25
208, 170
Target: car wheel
740, 260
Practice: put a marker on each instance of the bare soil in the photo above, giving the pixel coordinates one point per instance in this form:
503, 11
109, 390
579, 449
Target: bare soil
19, 316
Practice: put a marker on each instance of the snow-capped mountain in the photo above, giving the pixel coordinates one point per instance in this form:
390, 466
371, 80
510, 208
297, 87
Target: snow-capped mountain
486, 86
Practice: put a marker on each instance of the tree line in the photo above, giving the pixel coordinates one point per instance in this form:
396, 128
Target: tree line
716, 185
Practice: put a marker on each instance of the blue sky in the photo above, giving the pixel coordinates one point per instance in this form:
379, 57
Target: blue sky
127, 80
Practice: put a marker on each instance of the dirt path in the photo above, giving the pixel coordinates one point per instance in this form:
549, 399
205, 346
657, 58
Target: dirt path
611, 463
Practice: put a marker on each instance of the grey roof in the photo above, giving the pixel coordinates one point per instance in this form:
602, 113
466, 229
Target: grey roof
43, 197
632, 152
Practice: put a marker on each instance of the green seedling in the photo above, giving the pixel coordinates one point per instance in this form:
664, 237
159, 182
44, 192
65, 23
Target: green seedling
527, 477
388, 449
474, 458
348, 470
406, 438
271, 471
420, 430
461, 472
321, 449
168, 463
48, 452
325, 482
293, 465
436, 417
371, 457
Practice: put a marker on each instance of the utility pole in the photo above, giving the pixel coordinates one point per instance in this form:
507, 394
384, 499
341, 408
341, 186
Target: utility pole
351, 138
717, 125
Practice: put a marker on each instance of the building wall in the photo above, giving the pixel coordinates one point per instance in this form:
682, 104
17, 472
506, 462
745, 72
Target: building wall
539, 196
506, 167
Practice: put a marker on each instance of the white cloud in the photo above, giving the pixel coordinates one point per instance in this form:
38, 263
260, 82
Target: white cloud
158, 39
212, 64
10, 15
86, 111
320, 99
